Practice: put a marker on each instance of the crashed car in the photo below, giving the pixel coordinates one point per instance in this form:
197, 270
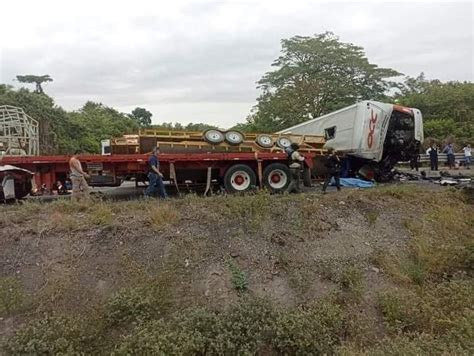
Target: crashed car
16, 182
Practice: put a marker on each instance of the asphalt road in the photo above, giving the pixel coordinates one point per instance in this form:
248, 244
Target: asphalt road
128, 191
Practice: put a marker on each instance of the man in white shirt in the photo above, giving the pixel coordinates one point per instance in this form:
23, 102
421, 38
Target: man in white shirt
467, 156
80, 188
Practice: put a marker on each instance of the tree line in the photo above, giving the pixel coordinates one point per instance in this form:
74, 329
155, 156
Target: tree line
314, 75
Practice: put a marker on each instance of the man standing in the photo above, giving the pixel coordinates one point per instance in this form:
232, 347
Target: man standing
296, 162
155, 177
433, 152
333, 165
80, 188
467, 156
449, 150
415, 156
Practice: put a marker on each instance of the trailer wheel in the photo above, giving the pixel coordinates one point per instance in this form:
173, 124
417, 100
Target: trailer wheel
276, 177
214, 137
264, 141
283, 142
234, 138
239, 178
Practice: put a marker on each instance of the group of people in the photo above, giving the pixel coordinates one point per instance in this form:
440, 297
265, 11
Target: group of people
433, 151
80, 188
332, 163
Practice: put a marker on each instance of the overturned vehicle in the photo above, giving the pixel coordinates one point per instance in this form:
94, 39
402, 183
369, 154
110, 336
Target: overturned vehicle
372, 136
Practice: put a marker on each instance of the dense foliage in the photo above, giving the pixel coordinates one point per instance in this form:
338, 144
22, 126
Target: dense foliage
448, 108
142, 116
65, 132
95, 122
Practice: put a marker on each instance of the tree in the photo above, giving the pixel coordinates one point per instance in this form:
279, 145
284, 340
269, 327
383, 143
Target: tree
37, 79
447, 108
199, 127
95, 122
64, 132
313, 76
142, 116
53, 121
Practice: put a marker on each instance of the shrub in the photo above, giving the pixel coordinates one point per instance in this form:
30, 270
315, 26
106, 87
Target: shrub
240, 330
243, 328
308, 331
416, 344
187, 333
12, 297
53, 335
436, 307
133, 305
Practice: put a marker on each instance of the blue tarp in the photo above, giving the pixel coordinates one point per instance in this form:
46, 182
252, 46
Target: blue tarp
354, 182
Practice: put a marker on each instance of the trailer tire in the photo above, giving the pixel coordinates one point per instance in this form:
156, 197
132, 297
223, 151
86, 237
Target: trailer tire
264, 141
234, 138
214, 137
239, 178
276, 177
283, 142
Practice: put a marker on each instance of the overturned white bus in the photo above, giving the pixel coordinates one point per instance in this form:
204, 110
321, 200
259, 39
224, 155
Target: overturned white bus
373, 135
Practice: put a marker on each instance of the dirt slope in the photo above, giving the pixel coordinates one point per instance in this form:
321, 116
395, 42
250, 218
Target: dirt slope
289, 250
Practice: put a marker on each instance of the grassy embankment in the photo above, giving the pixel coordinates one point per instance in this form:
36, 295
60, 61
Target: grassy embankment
406, 289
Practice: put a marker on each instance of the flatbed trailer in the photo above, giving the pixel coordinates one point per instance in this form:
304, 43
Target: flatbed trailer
235, 171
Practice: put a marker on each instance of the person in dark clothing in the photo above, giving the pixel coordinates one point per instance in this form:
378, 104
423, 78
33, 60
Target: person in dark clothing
433, 152
296, 165
155, 177
415, 156
333, 165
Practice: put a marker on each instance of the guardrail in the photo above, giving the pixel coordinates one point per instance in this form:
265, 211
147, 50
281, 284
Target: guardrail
442, 158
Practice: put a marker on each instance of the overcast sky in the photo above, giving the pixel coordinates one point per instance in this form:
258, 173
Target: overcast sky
198, 61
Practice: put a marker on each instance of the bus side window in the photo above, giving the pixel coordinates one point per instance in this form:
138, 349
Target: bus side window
330, 133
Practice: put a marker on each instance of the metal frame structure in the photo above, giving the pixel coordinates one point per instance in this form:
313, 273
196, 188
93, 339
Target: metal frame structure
19, 134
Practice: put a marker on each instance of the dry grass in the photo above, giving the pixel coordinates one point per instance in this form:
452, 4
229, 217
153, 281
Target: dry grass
162, 215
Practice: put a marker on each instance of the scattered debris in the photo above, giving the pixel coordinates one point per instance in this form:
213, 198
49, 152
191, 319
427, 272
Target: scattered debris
375, 269
443, 178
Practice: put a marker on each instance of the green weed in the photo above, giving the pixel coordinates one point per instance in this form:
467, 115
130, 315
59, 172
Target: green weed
239, 278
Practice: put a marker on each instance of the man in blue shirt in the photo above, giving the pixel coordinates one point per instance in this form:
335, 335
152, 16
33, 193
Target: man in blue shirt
155, 177
449, 150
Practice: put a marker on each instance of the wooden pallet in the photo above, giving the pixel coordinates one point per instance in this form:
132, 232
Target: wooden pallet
192, 141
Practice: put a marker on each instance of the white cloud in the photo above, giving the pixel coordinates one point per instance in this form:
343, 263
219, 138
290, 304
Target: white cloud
199, 60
